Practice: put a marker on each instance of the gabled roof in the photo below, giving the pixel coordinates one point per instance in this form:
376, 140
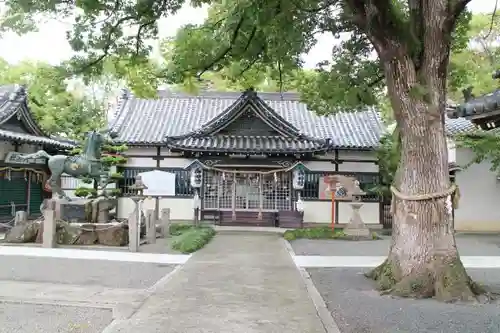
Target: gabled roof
150, 121
193, 119
249, 99
13, 103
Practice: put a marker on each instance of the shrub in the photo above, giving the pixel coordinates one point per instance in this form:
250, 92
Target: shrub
314, 233
325, 233
178, 228
192, 239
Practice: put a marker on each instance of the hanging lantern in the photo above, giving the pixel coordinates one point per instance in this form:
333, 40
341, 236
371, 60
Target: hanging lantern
196, 177
299, 178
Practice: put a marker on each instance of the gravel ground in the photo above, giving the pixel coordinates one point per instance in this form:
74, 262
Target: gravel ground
112, 274
358, 308
468, 245
38, 318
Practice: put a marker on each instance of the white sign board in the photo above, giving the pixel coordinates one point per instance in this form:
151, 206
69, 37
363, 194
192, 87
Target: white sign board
13, 157
159, 183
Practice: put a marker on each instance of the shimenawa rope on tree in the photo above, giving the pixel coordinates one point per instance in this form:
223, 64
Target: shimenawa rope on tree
426, 196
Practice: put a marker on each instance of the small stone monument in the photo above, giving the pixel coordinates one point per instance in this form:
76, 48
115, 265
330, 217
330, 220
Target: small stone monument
135, 219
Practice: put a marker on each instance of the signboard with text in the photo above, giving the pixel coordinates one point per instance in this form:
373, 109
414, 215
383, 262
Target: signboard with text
159, 183
15, 158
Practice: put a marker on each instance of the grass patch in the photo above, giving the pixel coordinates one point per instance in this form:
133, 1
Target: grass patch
323, 233
189, 239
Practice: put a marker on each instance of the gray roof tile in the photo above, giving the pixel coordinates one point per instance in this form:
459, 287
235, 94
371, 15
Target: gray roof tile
246, 144
458, 126
12, 99
142, 121
28, 138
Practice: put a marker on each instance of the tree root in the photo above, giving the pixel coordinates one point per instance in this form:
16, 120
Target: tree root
443, 279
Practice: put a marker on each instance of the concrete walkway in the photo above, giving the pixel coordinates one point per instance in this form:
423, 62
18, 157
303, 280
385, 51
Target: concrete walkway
241, 282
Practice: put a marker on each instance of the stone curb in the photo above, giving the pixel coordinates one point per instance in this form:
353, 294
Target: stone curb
323, 313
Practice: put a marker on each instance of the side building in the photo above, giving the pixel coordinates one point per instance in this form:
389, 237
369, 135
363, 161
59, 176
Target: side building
248, 147
479, 184
22, 181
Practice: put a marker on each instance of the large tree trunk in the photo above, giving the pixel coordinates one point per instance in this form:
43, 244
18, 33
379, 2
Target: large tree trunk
423, 260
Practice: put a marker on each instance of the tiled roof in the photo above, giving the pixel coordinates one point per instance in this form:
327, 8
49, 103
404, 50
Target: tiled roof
28, 138
458, 126
245, 144
142, 121
13, 98
149, 122
478, 106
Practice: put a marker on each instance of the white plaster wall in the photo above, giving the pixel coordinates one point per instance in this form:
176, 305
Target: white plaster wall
140, 162
358, 167
479, 195
148, 151
452, 155
346, 166
321, 212
181, 209
175, 162
357, 155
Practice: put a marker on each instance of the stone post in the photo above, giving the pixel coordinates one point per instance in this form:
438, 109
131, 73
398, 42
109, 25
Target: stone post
165, 222
133, 234
151, 226
21, 217
356, 226
49, 229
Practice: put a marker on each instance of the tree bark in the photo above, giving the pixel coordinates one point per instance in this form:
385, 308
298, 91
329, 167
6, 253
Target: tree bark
423, 260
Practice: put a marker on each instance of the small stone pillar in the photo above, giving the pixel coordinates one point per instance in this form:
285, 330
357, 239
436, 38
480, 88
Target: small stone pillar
151, 226
165, 222
21, 217
356, 226
49, 229
133, 232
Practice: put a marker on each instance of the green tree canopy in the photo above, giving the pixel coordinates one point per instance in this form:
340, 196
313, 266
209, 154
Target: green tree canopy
57, 109
474, 64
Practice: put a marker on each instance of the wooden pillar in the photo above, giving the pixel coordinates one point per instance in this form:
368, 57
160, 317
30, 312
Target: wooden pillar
233, 198
261, 199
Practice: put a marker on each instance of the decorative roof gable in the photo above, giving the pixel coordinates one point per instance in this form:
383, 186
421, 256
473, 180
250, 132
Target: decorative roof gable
14, 109
248, 105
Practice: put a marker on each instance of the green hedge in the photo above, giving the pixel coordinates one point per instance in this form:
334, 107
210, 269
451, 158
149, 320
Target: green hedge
313, 233
189, 239
323, 233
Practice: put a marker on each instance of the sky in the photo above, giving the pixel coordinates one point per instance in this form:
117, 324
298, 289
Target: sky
49, 43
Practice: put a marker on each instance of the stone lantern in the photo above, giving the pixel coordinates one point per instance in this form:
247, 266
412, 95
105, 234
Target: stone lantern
356, 226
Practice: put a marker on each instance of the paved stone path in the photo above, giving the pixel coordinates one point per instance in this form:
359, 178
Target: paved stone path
55, 295
239, 283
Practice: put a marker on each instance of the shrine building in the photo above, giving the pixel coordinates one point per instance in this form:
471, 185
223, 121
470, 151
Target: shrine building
21, 181
250, 157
